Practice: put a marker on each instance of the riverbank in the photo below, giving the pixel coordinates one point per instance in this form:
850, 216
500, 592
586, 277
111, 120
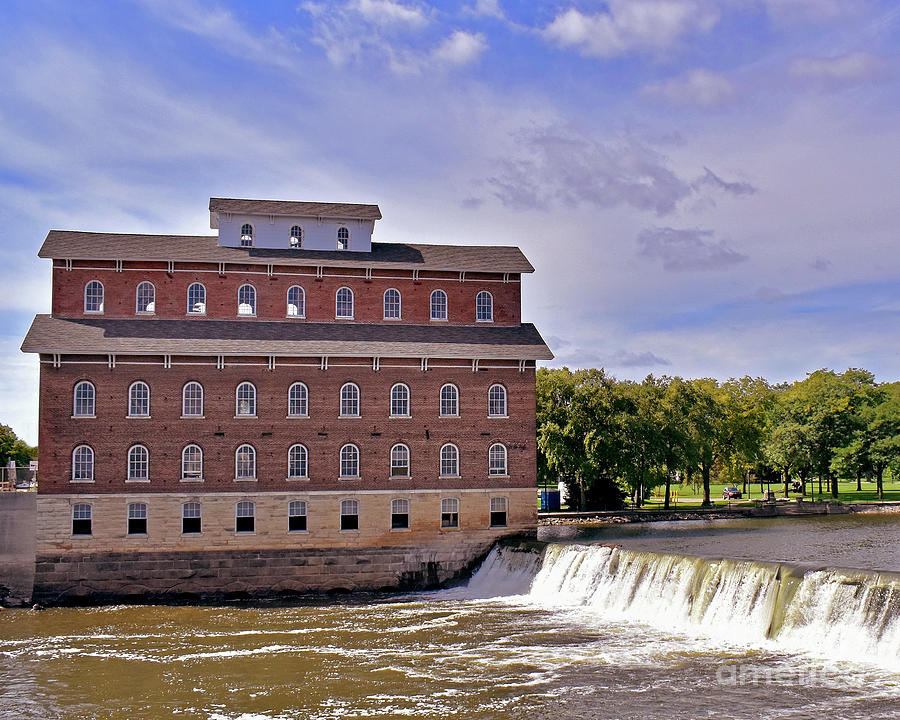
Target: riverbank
759, 509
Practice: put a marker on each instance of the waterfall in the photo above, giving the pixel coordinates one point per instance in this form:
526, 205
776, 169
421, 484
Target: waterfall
845, 614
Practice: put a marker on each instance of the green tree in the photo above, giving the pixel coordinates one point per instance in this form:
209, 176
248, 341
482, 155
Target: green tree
12, 448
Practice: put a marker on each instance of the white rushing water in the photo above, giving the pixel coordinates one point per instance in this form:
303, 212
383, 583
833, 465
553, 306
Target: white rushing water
838, 614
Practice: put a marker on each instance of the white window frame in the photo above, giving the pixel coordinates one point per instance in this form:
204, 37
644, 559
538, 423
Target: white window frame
338, 303
498, 505
303, 462
87, 285
400, 458
498, 457
351, 463
131, 399
77, 464
184, 400
479, 306
400, 506
300, 306
304, 400
298, 508
79, 513
445, 462
347, 402
245, 509
247, 235
251, 295
202, 301
137, 298
238, 462
342, 240
399, 403
443, 307
502, 397
349, 507
195, 476
77, 402
237, 400
399, 305
195, 507
450, 506
138, 468
298, 235
455, 400
138, 511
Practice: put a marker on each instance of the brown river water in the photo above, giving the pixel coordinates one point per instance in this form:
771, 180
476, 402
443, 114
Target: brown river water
660, 627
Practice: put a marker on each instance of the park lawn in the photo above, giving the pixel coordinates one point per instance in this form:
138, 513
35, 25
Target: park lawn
688, 499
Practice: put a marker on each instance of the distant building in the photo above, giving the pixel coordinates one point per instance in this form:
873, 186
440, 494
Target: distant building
286, 406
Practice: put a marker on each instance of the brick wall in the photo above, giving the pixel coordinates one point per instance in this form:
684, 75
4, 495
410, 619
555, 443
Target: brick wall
271, 293
165, 433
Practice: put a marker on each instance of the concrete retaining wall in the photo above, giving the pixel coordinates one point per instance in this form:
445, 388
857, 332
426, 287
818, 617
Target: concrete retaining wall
18, 513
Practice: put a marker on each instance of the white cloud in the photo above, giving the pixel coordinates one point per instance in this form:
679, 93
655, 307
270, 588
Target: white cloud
839, 70
487, 8
698, 87
808, 10
386, 12
460, 48
630, 25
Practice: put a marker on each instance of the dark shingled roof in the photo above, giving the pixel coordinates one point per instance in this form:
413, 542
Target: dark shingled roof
258, 337
337, 211
75, 245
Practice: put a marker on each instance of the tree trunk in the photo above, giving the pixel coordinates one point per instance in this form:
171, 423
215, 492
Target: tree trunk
834, 484
668, 488
704, 471
820, 484
787, 482
858, 480
582, 500
879, 473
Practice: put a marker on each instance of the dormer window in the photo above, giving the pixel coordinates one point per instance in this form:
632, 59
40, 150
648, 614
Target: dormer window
343, 239
296, 240
246, 235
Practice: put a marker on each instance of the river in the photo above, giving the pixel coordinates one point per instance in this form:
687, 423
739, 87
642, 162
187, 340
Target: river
802, 622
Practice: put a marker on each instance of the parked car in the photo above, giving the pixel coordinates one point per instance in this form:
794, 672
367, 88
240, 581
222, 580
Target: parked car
731, 493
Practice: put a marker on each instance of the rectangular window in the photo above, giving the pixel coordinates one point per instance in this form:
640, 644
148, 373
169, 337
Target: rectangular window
399, 514
349, 515
245, 520
190, 518
297, 516
450, 513
81, 520
137, 519
498, 512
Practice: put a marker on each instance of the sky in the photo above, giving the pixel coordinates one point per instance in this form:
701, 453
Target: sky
704, 188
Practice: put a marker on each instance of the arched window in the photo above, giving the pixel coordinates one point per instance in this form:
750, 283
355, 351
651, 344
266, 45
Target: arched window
246, 235
192, 400
297, 516
349, 515
245, 400
81, 519
298, 400
296, 302
137, 518
84, 401
350, 400
83, 464
343, 238
391, 304
246, 300
449, 460
449, 400
438, 305
190, 518
400, 400
139, 399
245, 517
399, 514
138, 464
297, 462
484, 307
497, 400
450, 512
245, 462
349, 461
146, 298
343, 303
192, 463
196, 299
400, 461
93, 297
498, 512
497, 459
296, 241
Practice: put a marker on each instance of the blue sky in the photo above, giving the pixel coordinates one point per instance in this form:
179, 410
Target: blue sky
705, 188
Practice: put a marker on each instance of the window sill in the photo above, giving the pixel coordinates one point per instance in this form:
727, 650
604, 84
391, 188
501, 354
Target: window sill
401, 417
246, 479
144, 312
348, 477
498, 526
83, 417
498, 417
399, 477
449, 416
193, 417
449, 477
297, 479
93, 312
142, 481
341, 317
295, 317
246, 417
483, 321
406, 529
191, 534
296, 417
81, 481
190, 314
245, 532
79, 536
392, 319
191, 480
137, 536
246, 315
137, 417
345, 417
440, 319
351, 532
298, 532
494, 476
452, 528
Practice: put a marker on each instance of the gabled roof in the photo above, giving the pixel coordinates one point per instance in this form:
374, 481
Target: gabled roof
75, 245
93, 336
336, 211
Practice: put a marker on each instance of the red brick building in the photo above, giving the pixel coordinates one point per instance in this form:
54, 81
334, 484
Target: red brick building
286, 406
